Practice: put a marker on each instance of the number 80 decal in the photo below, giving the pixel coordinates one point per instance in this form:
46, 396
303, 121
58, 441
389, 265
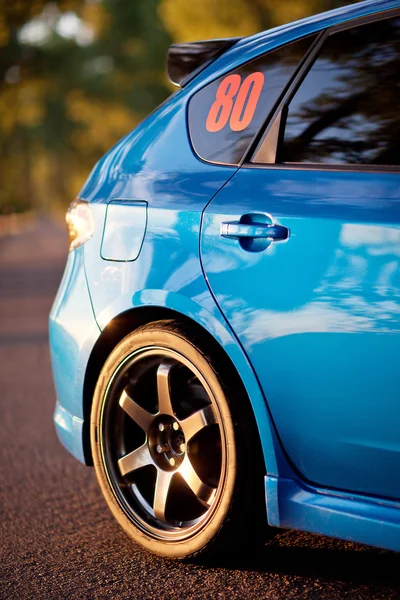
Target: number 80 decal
238, 111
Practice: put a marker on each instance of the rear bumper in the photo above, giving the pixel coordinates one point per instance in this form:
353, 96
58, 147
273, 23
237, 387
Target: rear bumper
70, 432
73, 333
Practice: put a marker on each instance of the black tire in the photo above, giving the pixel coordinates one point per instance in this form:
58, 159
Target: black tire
206, 428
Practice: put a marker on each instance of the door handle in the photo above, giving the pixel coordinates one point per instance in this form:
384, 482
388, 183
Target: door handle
238, 230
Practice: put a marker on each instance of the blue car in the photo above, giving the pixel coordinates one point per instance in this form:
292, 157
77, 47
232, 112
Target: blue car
225, 340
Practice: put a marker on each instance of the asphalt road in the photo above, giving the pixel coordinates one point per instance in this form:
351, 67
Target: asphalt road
57, 539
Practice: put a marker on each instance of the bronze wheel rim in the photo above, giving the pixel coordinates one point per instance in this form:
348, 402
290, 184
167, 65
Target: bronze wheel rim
163, 444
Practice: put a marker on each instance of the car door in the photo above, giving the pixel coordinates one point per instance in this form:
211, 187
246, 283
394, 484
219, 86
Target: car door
301, 251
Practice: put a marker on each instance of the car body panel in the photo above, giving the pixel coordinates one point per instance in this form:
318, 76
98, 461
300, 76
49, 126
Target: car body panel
318, 315
176, 187
73, 332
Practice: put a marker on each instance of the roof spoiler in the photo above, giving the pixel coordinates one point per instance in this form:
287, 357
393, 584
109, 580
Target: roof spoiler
185, 61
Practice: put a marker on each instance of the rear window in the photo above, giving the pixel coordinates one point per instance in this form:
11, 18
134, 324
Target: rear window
226, 114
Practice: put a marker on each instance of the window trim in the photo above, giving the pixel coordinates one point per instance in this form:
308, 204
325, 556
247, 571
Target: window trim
271, 137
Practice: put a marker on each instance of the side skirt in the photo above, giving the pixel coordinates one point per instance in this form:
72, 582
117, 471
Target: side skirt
295, 505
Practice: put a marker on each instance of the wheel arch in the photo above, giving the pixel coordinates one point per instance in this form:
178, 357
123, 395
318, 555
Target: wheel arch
220, 344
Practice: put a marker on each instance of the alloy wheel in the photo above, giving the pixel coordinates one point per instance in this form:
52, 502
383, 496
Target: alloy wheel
162, 443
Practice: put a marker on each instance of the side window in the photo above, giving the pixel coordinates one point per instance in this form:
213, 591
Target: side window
225, 115
346, 111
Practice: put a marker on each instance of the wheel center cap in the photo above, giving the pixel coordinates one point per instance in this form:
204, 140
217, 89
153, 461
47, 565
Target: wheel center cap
167, 442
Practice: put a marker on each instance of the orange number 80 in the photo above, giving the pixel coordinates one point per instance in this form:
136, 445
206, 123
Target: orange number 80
238, 112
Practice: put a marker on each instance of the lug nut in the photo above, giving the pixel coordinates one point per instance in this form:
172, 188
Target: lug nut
172, 462
164, 426
182, 447
162, 448
175, 426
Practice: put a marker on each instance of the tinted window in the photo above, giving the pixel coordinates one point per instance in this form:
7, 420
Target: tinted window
347, 109
226, 114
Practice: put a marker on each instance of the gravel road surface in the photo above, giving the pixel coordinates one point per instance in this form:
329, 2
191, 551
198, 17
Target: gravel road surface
57, 539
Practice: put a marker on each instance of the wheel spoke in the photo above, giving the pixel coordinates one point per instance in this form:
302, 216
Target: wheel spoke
135, 460
197, 421
163, 483
164, 395
141, 416
200, 489
191, 447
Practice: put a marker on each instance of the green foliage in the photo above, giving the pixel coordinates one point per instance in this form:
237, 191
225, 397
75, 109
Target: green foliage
76, 75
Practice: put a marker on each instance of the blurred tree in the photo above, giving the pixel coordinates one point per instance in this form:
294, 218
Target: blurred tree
225, 18
12, 16
188, 21
74, 77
